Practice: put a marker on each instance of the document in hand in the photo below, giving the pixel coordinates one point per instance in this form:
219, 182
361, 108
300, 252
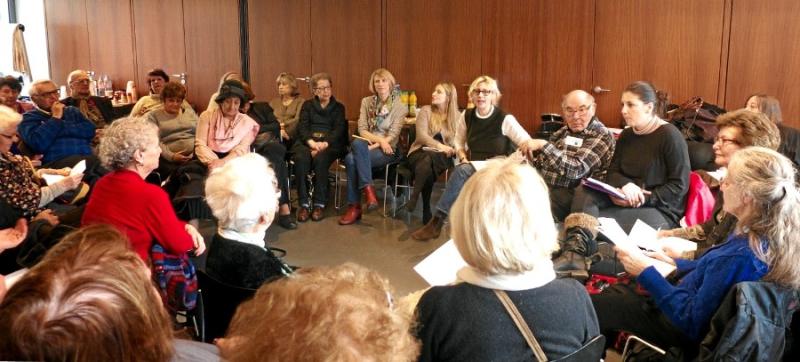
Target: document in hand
441, 266
611, 229
79, 168
601, 186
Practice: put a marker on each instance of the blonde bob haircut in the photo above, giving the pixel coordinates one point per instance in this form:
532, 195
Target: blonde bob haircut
290, 80
383, 73
242, 191
490, 82
501, 221
9, 118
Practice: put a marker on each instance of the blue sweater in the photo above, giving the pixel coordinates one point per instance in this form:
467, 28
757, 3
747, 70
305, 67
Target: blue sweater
57, 138
691, 303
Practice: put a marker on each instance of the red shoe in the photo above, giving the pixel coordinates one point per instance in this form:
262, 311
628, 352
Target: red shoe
352, 215
372, 200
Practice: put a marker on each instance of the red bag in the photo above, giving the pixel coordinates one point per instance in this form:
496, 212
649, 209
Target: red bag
699, 202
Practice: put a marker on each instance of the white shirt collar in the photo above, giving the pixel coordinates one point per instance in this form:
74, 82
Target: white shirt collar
256, 239
531, 279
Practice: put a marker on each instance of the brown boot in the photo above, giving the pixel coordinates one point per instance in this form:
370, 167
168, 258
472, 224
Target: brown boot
431, 230
303, 214
372, 199
352, 215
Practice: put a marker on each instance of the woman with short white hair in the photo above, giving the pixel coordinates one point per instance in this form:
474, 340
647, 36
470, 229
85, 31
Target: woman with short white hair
503, 229
243, 195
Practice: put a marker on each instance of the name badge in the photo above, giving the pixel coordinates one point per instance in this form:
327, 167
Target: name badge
573, 141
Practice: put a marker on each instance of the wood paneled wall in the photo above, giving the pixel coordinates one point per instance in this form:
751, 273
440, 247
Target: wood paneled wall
538, 50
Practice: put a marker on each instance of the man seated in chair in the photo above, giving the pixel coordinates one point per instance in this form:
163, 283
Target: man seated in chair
97, 109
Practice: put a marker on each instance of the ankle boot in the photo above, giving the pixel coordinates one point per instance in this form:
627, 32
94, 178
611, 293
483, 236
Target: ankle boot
431, 230
579, 245
372, 200
352, 214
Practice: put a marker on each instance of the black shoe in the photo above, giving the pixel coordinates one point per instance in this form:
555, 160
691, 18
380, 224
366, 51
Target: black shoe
578, 246
287, 222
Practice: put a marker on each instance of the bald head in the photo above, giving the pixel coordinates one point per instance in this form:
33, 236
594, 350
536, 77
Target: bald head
578, 109
578, 95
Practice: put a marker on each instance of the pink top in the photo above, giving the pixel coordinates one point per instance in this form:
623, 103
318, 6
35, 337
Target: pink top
216, 133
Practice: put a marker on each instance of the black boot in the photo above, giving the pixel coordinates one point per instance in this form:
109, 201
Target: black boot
579, 245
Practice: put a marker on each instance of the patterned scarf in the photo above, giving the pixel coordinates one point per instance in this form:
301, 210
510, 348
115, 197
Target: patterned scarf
89, 109
18, 185
380, 110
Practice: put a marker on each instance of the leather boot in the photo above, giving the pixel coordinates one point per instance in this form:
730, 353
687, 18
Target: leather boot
431, 230
352, 214
372, 199
579, 245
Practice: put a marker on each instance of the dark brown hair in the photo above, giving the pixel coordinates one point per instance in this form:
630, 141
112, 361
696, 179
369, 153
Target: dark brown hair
648, 93
755, 128
173, 90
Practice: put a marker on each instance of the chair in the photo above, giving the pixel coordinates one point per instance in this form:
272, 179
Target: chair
591, 351
399, 170
219, 302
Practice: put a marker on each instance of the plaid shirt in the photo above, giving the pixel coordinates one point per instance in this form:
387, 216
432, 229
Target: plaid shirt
563, 165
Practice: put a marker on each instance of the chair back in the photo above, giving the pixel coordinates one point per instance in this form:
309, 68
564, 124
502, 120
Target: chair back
591, 351
220, 301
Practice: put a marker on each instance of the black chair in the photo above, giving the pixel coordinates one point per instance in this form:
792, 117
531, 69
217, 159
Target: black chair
591, 351
219, 302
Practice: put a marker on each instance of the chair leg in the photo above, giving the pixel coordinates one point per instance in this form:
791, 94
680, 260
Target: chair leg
642, 341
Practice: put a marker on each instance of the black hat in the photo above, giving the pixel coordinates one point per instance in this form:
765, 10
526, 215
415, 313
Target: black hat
231, 88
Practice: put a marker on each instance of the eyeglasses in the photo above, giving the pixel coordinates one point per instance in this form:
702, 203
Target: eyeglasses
322, 89
54, 92
80, 81
581, 110
482, 92
725, 141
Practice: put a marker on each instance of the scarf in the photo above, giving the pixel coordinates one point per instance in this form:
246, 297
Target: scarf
89, 109
19, 187
651, 126
531, 279
227, 134
381, 109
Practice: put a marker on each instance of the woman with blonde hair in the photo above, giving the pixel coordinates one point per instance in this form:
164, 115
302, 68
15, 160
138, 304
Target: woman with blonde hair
287, 107
760, 191
504, 230
433, 149
379, 124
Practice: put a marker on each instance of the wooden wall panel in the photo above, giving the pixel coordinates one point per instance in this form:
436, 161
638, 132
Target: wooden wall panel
434, 41
346, 43
212, 47
158, 29
111, 50
676, 44
280, 41
765, 55
67, 37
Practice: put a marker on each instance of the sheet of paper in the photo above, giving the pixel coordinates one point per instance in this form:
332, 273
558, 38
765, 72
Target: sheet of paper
51, 179
644, 236
679, 245
611, 229
479, 165
440, 267
79, 168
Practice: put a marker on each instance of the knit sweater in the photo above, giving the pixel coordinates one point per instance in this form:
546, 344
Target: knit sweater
691, 303
57, 138
288, 115
153, 102
139, 209
390, 127
424, 138
176, 132
241, 264
331, 119
464, 322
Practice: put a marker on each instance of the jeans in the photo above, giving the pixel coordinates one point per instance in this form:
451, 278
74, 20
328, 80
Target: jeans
461, 173
360, 162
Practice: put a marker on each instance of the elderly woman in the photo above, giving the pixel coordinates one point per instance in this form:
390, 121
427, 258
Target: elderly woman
20, 184
379, 124
760, 192
225, 133
287, 106
156, 79
176, 129
212, 103
771, 107
130, 149
342, 313
483, 132
322, 136
506, 236
243, 195
10, 88
91, 298
433, 149
737, 130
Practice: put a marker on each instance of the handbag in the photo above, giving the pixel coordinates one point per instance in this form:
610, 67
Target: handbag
512, 310
696, 120
176, 279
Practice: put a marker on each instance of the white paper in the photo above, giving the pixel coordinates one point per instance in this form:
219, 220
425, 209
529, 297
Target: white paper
479, 165
79, 168
644, 236
611, 229
441, 266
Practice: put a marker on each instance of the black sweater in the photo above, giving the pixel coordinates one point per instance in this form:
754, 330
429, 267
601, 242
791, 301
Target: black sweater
240, 264
331, 120
659, 161
465, 322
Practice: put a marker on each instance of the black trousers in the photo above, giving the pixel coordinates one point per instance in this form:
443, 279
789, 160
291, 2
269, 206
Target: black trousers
561, 202
598, 204
275, 153
427, 166
321, 164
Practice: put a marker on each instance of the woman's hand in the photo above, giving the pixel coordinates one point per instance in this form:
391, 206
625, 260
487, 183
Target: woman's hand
284, 135
449, 151
11, 237
197, 239
321, 146
619, 202
661, 255
633, 194
49, 171
180, 158
386, 147
71, 182
665, 233
216, 163
634, 262
47, 215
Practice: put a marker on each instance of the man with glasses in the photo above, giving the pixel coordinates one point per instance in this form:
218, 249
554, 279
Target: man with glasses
59, 132
581, 149
99, 110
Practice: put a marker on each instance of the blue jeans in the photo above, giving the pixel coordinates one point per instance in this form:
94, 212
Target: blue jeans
461, 173
359, 163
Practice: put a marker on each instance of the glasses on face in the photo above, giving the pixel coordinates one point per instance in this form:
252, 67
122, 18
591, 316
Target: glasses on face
55, 92
322, 89
80, 81
724, 141
581, 110
482, 92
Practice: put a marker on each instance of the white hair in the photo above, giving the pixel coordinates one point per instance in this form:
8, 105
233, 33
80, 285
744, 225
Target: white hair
242, 191
9, 118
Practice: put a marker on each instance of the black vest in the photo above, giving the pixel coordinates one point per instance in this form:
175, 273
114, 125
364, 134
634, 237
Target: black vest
485, 136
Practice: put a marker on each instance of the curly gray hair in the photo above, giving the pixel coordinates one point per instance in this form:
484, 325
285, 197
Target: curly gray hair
122, 138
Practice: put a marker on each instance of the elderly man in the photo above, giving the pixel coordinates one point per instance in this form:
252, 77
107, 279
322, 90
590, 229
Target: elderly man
97, 109
581, 149
9, 94
59, 132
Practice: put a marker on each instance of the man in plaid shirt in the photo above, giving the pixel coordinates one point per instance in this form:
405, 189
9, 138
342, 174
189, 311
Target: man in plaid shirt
581, 149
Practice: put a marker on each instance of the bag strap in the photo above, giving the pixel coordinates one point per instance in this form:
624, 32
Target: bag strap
521, 325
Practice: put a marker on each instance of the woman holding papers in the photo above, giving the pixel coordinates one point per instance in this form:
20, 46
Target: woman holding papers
20, 183
506, 238
433, 149
379, 124
737, 130
760, 191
